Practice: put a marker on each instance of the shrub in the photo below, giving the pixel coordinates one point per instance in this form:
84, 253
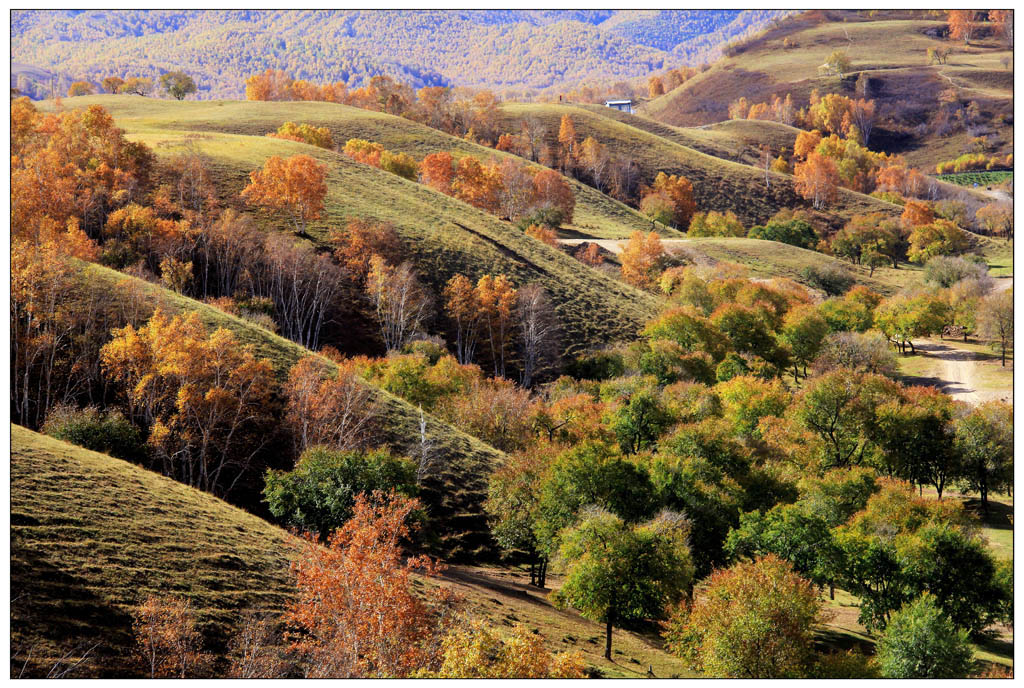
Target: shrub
946, 271
599, 365
921, 642
831, 279
318, 495
102, 431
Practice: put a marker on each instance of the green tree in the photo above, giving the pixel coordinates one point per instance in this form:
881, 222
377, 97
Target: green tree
995, 319
921, 642
984, 440
178, 84
904, 317
795, 231
590, 473
319, 493
791, 533
753, 620
619, 573
803, 331
639, 421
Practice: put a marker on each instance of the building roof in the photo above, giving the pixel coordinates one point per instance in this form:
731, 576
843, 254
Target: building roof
626, 101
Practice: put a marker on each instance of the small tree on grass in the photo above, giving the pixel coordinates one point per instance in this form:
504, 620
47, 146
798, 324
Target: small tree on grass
996, 321
755, 620
618, 573
921, 642
177, 84
167, 642
984, 440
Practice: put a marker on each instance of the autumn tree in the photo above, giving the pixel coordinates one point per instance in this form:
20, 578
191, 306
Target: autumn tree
476, 651
112, 84
178, 84
995, 319
204, 397
538, 332
295, 185
463, 308
255, 649
361, 240
655, 87
754, 620
399, 300
1002, 21
322, 407
80, 88
305, 133
135, 85
806, 142
516, 188
496, 297
837, 63
477, 184
438, 172
167, 642
716, 224
619, 573
567, 143
962, 24
269, 85
642, 258
997, 218
680, 192
817, 180
355, 613
589, 253
595, 161
939, 238
904, 317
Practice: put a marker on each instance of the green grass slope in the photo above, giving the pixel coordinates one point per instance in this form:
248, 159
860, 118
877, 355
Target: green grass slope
445, 235
734, 140
92, 536
718, 183
456, 488
596, 214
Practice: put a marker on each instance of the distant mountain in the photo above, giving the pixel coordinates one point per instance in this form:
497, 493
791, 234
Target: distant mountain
497, 49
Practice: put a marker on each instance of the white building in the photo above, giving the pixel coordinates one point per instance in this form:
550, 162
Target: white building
623, 105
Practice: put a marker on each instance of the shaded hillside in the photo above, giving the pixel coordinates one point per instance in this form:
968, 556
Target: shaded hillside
718, 184
891, 50
456, 486
92, 536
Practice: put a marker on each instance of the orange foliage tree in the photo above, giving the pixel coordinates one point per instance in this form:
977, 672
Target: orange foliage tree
167, 642
550, 190
497, 299
360, 240
679, 191
477, 184
295, 185
463, 308
336, 410
817, 180
438, 172
567, 143
917, 213
962, 24
642, 259
204, 397
355, 614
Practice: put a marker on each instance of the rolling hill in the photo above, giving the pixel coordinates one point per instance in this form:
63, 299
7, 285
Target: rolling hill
889, 48
447, 236
718, 182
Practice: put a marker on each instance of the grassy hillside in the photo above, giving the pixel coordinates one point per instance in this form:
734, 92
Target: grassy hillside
889, 47
456, 490
718, 184
595, 213
445, 236
734, 140
92, 536
774, 259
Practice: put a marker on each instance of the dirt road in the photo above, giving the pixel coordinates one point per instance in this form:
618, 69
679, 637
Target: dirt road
963, 374
615, 246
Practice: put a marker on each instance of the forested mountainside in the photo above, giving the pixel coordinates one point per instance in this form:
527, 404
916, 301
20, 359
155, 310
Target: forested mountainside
537, 49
